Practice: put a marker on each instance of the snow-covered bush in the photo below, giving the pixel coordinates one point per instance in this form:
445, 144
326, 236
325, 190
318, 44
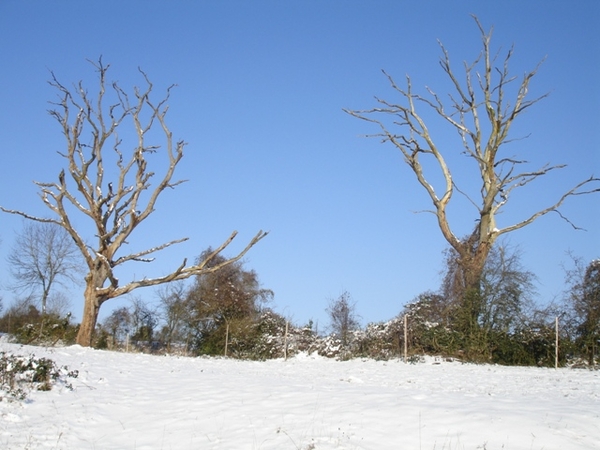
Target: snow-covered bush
265, 339
29, 326
270, 340
380, 340
21, 374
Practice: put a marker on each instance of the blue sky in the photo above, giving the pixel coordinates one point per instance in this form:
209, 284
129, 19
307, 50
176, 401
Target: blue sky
261, 87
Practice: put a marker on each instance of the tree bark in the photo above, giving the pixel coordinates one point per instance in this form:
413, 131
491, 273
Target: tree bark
93, 297
91, 308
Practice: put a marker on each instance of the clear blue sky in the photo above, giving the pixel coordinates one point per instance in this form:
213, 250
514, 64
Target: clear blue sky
261, 87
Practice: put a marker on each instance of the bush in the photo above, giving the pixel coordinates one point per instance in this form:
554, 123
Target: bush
49, 329
267, 339
21, 374
382, 340
28, 326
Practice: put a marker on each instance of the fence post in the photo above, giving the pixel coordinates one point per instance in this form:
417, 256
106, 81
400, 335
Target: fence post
405, 336
226, 336
556, 343
285, 341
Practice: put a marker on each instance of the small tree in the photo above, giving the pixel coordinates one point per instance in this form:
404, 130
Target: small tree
174, 313
481, 111
506, 292
144, 320
342, 316
118, 325
447, 322
507, 289
43, 256
114, 207
584, 300
224, 304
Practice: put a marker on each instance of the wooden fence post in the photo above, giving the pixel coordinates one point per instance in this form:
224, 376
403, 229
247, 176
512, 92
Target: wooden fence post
556, 343
226, 336
285, 341
405, 337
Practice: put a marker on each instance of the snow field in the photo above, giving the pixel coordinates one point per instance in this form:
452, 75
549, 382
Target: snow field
138, 401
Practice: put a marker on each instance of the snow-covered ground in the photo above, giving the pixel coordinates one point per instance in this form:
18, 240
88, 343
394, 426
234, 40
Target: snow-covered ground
137, 401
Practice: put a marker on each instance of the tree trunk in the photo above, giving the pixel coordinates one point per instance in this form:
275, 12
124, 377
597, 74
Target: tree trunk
91, 308
88, 321
472, 258
45, 294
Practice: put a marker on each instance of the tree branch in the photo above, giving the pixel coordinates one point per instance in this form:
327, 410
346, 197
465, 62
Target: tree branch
183, 272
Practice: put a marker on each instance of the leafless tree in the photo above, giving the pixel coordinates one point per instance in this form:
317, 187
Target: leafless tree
144, 319
59, 304
342, 316
43, 255
481, 112
506, 292
118, 325
174, 311
115, 207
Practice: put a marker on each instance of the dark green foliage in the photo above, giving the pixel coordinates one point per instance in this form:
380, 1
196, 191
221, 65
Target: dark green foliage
103, 341
19, 316
382, 340
28, 326
224, 308
588, 331
497, 324
20, 374
430, 326
489, 324
269, 336
582, 309
143, 321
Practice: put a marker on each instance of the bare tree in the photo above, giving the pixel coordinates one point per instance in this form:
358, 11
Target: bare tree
118, 325
59, 304
174, 311
342, 316
507, 290
43, 255
114, 208
482, 114
144, 319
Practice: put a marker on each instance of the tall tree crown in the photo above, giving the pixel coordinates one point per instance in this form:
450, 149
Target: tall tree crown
115, 205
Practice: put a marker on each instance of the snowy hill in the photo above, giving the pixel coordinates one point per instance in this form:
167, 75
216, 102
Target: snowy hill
138, 401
